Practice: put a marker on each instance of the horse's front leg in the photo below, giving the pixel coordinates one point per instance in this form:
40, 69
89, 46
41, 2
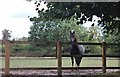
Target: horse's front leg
72, 61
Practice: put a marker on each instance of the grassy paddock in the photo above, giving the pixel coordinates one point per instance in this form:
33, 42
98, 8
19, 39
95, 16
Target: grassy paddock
16, 62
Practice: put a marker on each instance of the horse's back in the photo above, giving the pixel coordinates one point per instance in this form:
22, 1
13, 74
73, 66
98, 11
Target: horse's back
77, 50
81, 49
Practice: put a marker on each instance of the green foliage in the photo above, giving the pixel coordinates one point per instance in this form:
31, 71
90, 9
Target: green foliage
63, 15
1, 48
113, 38
20, 48
107, 11
46, 31
52, 31
95, 34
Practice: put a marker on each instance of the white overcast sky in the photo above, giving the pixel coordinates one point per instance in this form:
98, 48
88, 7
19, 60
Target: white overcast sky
14, 16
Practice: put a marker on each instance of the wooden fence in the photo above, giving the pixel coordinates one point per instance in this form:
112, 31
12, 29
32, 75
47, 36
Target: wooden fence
59, 56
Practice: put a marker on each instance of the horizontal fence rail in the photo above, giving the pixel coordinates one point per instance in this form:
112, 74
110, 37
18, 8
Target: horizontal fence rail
55, 68
53, 55
82, 43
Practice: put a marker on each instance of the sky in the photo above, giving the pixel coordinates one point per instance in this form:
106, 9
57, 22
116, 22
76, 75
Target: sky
14, 16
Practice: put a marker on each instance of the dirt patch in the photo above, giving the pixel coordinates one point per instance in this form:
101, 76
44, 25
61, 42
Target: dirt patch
53, 73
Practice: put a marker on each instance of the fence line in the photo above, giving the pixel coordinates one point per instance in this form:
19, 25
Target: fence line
59, 53
83, 43
54, 55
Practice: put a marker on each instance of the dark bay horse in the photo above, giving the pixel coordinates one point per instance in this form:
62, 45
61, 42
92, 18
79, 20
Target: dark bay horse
76, 51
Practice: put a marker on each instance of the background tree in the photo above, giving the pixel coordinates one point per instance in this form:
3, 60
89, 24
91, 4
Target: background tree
6, 34
108, 14
107, 11
55, 30
95, 35
52, 31
112, 38
19, 48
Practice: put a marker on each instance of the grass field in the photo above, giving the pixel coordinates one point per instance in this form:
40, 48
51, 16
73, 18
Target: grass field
48, 62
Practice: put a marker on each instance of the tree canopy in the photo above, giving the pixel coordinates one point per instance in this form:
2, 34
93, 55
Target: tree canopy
52, 31
55, 30
55, 23
107, 11
6, 34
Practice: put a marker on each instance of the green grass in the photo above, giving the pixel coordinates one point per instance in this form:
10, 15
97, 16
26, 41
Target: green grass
66, 62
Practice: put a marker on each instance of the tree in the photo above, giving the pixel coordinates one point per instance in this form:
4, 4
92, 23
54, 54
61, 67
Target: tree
51, 31
108, 14
18, 48
6, 34
46, 31
23, 39
112, 38
54, 30
95, 34
107, 11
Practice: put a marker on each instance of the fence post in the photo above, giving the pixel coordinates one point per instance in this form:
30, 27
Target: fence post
59, 57
7, 57
104, 57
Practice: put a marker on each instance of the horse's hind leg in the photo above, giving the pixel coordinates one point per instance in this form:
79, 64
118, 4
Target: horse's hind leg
72, 61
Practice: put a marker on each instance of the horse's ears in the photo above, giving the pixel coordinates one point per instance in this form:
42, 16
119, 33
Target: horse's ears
72, 31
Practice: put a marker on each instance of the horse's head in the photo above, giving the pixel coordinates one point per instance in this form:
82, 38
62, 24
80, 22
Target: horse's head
72, 36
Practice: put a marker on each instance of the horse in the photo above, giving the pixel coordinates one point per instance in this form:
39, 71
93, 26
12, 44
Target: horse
76, 51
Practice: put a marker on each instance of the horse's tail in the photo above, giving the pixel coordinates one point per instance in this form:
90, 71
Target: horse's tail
78, 60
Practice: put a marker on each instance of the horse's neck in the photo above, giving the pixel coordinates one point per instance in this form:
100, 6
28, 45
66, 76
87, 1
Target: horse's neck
75, 42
